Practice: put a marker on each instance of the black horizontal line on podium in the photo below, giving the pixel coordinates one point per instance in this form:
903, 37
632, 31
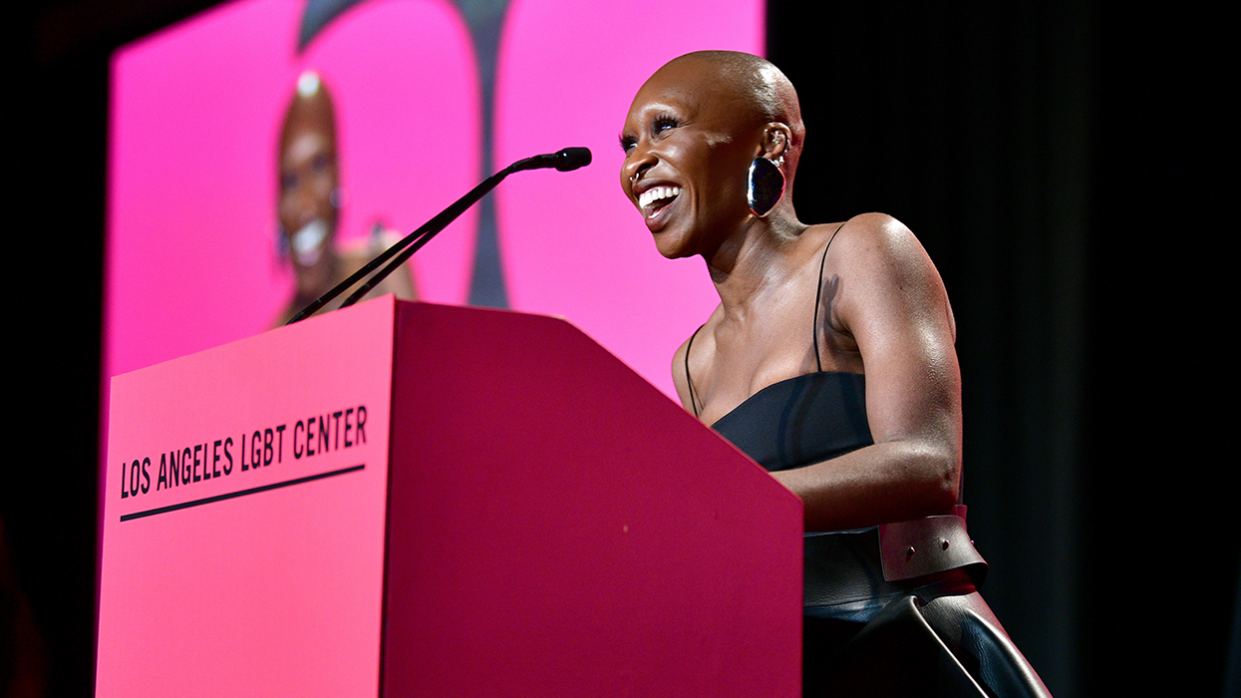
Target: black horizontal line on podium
241, 493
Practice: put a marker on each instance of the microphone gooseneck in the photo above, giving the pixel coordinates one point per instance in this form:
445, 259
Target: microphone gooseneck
564, 161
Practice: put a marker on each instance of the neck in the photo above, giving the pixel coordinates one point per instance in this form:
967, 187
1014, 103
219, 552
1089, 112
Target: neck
753, 258
325, 278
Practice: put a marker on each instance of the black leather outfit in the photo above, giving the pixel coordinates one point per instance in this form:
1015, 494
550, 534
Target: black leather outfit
889, 610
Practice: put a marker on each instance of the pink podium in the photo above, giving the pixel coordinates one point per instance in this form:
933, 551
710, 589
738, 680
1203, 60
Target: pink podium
404, 499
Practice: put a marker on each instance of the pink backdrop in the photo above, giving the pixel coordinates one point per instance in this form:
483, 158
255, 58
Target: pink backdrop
575, 246
196, 116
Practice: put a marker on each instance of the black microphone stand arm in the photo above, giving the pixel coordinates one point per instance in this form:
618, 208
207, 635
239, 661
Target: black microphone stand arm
567, 159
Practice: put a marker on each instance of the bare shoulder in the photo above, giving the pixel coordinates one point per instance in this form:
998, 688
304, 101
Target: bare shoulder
878, 248
678, 362
877, 234
881, 266
682, 363
698, 341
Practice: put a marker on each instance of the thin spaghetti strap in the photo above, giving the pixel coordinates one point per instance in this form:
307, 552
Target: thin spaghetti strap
814, 327
689, 381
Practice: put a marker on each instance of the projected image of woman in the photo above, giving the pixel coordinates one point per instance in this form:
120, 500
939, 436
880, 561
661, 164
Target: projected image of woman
830, 361
309, 201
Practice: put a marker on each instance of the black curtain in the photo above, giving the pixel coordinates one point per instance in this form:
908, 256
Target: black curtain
1054, 158
1061, 161
970, 125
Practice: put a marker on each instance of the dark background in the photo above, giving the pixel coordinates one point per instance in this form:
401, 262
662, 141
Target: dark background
1061, 161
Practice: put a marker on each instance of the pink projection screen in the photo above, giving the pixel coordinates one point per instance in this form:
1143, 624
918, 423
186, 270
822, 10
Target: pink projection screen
195, 252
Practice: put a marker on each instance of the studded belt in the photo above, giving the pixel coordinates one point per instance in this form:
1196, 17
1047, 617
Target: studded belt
855, 573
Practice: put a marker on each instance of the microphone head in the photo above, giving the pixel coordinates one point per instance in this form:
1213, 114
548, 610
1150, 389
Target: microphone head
572, 158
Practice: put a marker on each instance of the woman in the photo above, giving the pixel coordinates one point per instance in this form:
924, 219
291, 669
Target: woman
309, 201
830, 361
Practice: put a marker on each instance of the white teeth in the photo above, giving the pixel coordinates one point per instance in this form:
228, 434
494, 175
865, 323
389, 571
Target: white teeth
654, 194
307, 242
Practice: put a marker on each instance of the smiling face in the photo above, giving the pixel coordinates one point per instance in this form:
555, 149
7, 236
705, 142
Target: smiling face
689, 139
308, 178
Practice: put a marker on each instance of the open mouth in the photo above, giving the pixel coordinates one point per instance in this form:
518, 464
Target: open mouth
655, 199
307, 242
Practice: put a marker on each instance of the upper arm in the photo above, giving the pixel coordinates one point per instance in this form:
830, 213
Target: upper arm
894, 305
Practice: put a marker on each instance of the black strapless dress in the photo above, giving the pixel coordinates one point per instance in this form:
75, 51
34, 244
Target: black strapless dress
871, 629
890, 610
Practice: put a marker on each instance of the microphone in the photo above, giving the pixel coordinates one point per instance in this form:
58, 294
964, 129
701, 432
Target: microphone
564, 161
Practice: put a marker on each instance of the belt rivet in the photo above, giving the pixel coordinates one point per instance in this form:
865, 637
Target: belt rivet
945, 544
910, 552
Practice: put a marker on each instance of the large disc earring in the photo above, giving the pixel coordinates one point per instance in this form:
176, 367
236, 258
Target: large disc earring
764, 187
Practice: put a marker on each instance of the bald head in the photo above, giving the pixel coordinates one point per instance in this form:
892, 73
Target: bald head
756, 85
310, 110
754, 79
